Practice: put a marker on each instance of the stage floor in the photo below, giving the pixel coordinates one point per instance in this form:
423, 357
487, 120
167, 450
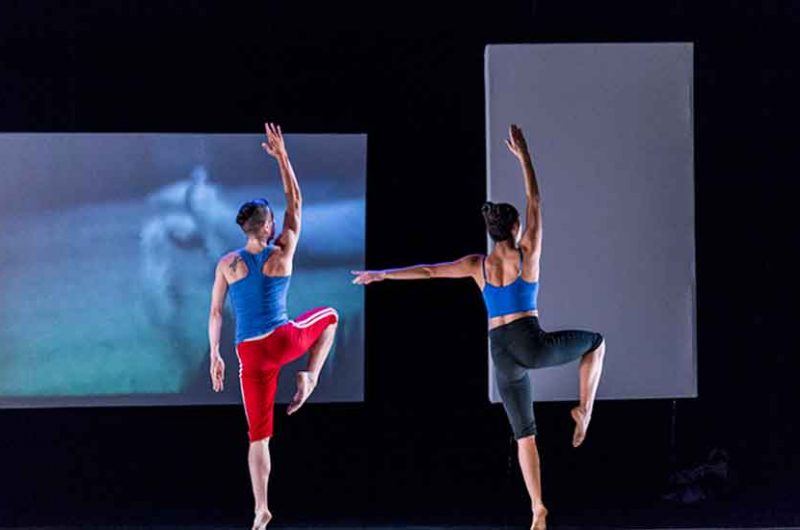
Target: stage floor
391, 527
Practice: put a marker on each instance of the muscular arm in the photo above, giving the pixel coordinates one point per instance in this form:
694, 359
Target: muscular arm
276, 147
532, 236
218, 293
531, 241
466, 267
294, 199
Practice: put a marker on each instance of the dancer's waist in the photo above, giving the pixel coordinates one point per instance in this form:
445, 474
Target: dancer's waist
502, 320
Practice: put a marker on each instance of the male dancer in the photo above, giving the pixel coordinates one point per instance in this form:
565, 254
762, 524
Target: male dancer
257, 277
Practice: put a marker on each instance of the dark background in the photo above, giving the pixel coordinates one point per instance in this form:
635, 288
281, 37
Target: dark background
426, 446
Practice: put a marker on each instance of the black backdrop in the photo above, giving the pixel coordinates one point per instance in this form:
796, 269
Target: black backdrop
425, 446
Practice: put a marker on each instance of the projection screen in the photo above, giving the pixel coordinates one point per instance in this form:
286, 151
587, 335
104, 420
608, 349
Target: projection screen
611, 133
107, 255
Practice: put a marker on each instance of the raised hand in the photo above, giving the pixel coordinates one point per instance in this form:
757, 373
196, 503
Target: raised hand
367, 277
274, 146
516, 142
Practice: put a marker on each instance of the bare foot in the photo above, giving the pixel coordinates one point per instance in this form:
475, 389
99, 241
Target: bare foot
582, 420
539, 518
306, 382
262, 520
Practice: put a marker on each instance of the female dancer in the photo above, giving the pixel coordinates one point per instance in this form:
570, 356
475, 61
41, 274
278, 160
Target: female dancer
509, 280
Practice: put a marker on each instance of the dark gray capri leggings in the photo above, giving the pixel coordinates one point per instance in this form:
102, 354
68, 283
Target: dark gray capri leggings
523, 345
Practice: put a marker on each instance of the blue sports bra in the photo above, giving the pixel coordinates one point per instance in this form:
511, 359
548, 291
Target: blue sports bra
518, 296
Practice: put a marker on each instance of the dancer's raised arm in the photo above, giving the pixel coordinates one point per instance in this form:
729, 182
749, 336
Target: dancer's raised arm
531, 240
290, 234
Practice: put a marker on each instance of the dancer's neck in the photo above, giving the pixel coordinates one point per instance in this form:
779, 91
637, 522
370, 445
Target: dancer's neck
504, 249
255, 246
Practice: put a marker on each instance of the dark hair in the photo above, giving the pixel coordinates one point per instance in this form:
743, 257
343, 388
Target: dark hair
253, 214
500, 220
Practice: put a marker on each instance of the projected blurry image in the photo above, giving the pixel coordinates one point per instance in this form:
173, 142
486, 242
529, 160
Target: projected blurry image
107, 255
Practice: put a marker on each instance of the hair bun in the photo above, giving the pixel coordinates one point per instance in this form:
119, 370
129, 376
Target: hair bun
241, 218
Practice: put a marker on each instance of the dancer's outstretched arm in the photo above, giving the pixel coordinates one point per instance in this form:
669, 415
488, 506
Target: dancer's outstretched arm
531, 240
466, 267
290, 234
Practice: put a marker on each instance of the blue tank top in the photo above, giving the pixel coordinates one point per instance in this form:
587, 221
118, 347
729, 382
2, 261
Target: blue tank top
520, 295
259, 301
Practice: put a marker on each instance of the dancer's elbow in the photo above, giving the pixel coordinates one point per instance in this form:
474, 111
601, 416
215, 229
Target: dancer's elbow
427, 272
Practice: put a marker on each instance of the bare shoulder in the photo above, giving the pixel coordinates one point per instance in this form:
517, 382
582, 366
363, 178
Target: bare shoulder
286, 242
531, 255
527, 247
228, 259
231, 265
473, 260
474, 266
279, 262
284, 249
473, 263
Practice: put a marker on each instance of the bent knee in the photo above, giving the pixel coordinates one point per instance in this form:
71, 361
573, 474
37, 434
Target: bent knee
334, 316
325, 314
598, 348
